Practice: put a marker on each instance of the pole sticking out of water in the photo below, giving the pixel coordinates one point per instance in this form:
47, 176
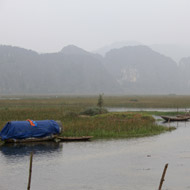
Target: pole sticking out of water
30, 171
162, 178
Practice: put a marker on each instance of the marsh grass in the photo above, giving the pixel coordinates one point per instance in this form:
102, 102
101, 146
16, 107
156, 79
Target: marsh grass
166, 101
111, 125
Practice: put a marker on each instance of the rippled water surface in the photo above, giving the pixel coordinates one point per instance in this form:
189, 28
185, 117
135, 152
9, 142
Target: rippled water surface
101, 165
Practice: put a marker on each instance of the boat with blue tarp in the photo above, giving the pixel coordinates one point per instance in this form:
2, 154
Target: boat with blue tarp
30, 131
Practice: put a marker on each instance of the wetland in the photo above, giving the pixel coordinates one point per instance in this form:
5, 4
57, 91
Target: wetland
103, 163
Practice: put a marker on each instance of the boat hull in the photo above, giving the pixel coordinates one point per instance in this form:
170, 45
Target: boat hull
182, 118
68, 139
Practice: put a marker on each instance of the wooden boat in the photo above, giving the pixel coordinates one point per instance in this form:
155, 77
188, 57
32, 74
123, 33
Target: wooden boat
176, 118
34, 131
67, 139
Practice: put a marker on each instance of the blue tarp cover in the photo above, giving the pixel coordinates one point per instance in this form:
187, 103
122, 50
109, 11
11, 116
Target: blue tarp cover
23, 129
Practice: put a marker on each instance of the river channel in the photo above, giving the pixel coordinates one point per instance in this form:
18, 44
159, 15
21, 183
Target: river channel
127, 164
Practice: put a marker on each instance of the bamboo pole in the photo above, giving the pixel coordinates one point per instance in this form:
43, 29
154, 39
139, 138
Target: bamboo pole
30, 171
162, 178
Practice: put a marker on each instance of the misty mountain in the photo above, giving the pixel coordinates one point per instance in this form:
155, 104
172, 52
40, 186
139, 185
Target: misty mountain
184, 69
175, 51
72, 70
116, 45
17, 65
74, 50
138, 69
127, 70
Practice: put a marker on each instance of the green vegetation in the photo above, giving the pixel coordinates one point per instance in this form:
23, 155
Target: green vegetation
94, 111
167, 101
111, 125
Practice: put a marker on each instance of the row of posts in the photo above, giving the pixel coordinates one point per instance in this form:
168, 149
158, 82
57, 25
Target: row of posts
30, 174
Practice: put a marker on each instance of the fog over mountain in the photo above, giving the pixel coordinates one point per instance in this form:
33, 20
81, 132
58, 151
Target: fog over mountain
70, 71
139, 69
103, 50
174, 51
184, 69
127, 70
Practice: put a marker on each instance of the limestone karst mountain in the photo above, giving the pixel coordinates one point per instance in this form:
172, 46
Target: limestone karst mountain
139, 69
70, 71
127, 70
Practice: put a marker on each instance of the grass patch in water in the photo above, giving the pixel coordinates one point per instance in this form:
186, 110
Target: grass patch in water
113, 125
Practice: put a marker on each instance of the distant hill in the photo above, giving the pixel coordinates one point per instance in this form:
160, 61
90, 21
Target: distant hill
70, 71
127, 70
184, 68
116, 45
175, 51
139, 69
74, 50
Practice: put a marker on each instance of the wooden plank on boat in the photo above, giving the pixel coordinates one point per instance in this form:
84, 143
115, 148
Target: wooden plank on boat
83, 138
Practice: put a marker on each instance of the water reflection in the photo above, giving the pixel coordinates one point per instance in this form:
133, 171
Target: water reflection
10, 150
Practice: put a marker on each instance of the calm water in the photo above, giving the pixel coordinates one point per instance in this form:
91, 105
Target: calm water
132, 164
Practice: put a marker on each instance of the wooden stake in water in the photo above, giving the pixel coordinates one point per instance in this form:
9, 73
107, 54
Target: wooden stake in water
30, 171
162, 178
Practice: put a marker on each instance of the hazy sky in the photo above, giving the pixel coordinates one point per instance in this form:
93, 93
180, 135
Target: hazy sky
49, 25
